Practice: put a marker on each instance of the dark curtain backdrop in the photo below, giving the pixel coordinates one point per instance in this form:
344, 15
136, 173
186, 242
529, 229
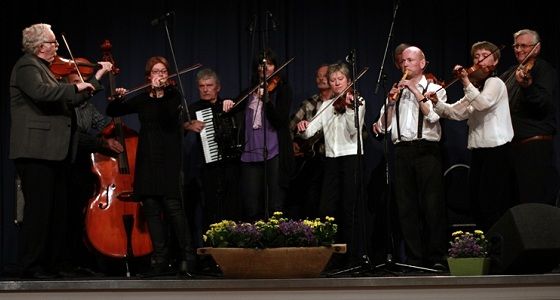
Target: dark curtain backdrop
217, 34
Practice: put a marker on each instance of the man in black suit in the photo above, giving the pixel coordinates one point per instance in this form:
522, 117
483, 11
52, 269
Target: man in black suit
43, 141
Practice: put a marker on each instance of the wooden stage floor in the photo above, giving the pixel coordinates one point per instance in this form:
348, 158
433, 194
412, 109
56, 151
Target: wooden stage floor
380, 285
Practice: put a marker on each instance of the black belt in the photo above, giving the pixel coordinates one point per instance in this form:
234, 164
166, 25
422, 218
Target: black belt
415, 143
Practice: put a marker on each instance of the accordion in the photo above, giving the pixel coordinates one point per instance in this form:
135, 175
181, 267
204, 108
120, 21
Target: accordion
219, 137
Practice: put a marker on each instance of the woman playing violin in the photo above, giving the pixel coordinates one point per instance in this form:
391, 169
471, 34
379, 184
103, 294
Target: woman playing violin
532, 86
265, 124
490, 133
338, 196
157, 178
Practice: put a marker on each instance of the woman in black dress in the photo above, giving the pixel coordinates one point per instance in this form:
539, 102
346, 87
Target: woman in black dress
157, 178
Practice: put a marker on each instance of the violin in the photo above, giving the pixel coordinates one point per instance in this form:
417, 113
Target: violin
62, 67
525, 69
433, 79
477, 73
272, 83
340, 104
528, 66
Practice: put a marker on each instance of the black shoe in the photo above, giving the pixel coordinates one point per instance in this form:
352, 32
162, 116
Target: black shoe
68, 274
183, 270
157, 270
41, 275
87, 272
440, 267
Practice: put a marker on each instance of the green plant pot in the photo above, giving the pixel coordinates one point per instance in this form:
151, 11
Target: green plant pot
468, 266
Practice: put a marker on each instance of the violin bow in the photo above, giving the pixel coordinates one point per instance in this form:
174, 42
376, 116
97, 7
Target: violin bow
258, 85
73, 61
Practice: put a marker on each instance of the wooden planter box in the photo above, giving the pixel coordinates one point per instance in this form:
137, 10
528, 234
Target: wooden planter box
286, 262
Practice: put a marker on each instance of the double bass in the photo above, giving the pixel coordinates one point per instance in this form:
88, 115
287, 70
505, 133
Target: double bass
115, 225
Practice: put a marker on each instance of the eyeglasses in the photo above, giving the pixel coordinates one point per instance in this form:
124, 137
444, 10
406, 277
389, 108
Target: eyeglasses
522, 46
164, 71
51, 42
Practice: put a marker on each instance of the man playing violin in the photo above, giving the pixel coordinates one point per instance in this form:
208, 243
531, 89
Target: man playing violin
532, 86
490, 133
416, 132
43, 142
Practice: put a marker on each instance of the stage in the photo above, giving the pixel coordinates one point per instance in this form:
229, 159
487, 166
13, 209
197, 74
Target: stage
425, 286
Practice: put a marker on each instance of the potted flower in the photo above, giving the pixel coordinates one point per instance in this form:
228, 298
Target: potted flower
468, 254
275, 248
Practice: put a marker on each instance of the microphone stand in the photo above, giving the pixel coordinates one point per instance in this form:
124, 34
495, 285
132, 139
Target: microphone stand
389, 265
389, 38
265, 99
365, 264
185, 108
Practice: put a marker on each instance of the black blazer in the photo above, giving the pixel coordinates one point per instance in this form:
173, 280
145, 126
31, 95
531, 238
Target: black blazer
41, 111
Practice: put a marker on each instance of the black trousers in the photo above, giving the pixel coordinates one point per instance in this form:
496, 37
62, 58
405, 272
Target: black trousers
159, 212
339, 198
535, 172
490, 182
43, 232
252, 189
419, 196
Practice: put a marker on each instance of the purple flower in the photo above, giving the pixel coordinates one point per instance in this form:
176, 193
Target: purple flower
466, 244
276, 232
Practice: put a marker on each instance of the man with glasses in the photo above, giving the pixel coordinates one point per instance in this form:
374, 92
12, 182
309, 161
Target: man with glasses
43, 142
532, 86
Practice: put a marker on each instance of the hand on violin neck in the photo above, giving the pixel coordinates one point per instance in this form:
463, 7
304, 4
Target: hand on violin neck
105, 68
349, 98
524, 79
159, 82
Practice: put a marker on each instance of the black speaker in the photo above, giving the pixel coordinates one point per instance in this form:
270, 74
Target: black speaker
526, 240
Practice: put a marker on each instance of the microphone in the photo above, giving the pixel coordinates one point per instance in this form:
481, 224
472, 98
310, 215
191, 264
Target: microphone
162, 18
351, 58
272, 21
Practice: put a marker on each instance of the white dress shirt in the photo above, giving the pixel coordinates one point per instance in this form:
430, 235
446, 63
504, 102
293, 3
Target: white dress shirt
339, 129
408, 115
487, 112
